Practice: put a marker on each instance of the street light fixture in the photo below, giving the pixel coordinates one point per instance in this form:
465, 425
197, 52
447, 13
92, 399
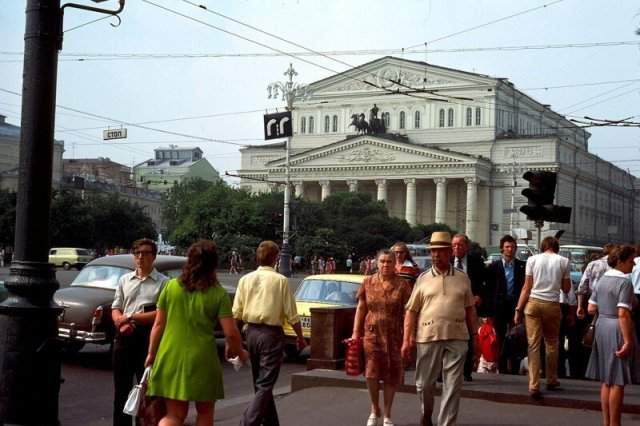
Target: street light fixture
288, 91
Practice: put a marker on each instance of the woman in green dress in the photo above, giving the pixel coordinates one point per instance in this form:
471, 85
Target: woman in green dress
182, 349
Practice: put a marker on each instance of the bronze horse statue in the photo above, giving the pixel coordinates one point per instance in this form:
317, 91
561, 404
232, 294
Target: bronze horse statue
361, 125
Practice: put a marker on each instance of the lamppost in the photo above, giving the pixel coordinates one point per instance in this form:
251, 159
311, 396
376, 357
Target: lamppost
29, 357
288, 91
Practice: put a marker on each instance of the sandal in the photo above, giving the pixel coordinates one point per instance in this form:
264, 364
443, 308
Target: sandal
373, 420
387, 422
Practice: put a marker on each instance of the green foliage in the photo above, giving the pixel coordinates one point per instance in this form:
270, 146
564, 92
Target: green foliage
423, 233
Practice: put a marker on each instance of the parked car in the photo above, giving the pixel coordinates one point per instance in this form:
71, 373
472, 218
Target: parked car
423, 262
317, 291
86, 317
69, 257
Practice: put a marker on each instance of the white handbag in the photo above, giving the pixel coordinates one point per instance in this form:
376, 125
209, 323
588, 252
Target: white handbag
136, 396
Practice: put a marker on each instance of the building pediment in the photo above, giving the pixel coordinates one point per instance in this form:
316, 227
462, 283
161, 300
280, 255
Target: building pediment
385, 72
370, 150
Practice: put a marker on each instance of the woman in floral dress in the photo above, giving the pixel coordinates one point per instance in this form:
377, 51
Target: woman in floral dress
379, 318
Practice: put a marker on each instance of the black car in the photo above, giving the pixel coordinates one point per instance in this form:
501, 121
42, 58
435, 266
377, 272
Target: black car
86, 317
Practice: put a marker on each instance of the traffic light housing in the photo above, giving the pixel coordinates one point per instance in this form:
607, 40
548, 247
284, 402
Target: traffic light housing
540, 195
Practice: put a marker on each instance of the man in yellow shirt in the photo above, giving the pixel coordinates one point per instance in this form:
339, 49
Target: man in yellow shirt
442, 308
263, 302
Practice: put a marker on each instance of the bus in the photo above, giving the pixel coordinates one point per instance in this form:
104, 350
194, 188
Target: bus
579, 255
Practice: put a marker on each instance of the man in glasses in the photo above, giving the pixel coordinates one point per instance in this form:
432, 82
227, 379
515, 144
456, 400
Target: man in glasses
133, 313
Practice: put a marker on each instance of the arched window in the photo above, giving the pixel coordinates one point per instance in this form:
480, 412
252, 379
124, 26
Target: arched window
311, 124
335, 124
402, 119
449, 118
303, 125
416, 120
479, 116
327, 122
386, 117
441, 121
469, 116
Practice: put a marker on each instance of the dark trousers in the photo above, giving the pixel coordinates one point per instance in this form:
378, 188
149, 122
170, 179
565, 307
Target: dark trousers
509, 362
129, 353
636, 317
265, 344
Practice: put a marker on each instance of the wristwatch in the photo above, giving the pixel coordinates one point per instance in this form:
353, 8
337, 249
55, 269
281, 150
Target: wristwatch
519, 310
129, 317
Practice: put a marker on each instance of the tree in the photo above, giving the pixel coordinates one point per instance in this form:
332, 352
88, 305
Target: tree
70, 221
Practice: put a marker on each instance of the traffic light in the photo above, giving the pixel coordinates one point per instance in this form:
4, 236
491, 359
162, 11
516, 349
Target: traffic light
540, 195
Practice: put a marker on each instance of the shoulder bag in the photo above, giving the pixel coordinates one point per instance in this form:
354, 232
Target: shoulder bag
590, 332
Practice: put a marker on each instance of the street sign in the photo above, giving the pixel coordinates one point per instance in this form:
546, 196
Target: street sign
114, 134
277, 125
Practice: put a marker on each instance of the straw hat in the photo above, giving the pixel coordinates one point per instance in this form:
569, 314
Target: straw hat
440, 239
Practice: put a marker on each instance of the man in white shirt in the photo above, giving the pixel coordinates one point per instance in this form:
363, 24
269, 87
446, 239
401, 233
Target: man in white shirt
635, 280
546, 275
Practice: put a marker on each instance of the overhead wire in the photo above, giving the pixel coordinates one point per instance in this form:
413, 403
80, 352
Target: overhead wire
486, 24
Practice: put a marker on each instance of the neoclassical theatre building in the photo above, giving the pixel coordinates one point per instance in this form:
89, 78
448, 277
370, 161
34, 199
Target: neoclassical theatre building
453, 145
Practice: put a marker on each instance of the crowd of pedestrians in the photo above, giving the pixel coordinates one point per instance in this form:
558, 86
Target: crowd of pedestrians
403, 317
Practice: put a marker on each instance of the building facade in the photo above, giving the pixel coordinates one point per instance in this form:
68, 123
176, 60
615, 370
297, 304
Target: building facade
173, 165
10, 157
99, 169
454, 150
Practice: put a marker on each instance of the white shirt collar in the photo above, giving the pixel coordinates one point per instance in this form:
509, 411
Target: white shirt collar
613, 272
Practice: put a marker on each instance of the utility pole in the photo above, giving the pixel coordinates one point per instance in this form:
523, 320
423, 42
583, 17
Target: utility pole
290, 92
514, 183
30, 363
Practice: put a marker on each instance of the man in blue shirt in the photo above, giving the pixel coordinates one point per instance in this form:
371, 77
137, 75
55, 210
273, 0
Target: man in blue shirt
505, 278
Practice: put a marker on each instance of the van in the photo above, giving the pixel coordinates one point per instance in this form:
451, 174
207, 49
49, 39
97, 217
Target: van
69, 257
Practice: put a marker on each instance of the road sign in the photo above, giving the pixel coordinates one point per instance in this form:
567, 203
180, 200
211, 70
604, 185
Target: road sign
277, 125
114, 134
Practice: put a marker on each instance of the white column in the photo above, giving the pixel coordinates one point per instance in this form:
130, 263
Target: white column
410, 208
382, 189
353, 185
299, 189
441, 199
326, 189
471, 224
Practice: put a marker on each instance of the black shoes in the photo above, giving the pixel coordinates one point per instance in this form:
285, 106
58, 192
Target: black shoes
536, 395
554, 387
468, 378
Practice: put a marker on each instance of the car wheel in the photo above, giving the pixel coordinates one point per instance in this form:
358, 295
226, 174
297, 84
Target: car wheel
66, 266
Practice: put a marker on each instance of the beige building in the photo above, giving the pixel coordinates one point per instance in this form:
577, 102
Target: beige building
99, 169
453, 146
10, 153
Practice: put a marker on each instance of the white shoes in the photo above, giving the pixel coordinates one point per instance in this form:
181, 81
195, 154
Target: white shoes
373, 420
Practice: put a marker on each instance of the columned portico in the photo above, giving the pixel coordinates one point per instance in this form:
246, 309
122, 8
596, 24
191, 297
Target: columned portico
353, 185
471, 224
382, 189
325, 185
298, 189
441, 199
410, 210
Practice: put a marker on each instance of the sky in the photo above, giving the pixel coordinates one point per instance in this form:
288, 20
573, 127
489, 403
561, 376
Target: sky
177, 67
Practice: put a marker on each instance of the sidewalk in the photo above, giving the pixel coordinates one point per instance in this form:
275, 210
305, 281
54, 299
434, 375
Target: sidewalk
577, 394
350, 406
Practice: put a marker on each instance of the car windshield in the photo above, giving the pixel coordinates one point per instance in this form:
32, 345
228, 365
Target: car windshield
99, 276
328, 291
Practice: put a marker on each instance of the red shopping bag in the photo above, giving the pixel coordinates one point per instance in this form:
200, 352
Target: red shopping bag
487, 341
354, 357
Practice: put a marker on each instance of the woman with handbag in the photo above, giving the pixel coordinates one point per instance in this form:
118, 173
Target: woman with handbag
380, 312
614, 355
182, 351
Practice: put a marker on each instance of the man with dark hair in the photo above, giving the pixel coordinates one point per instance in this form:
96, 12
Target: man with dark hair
474, 267
133, 313
505, 278
263, 298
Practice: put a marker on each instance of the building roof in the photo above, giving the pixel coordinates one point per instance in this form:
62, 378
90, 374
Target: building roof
8, 130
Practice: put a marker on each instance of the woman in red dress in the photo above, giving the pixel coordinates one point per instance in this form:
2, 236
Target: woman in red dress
381, 301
